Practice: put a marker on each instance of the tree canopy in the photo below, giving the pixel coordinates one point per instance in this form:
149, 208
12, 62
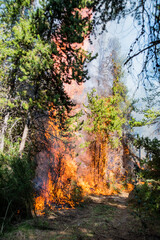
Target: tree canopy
41, 48
40, 51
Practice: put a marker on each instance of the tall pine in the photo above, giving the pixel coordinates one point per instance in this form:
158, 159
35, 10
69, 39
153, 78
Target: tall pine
40, 51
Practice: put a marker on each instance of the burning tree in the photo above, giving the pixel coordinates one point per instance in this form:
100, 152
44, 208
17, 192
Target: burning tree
104, 124
40, 51
38, 56
57, 169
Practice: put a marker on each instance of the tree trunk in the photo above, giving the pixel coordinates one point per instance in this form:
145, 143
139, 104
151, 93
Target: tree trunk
4, 128
24, 138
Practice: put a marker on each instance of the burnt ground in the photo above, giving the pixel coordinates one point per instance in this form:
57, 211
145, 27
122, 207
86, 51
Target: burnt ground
98, 218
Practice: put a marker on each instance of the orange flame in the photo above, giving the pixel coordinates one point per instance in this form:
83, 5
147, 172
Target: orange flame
69, 174
56, 191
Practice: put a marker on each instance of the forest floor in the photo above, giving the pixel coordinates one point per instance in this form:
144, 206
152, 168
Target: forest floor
97, 218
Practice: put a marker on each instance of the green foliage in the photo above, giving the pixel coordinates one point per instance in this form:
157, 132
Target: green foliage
150, 116
76, 193
147, 195
16, 188
37, 56
151, 162
105, 117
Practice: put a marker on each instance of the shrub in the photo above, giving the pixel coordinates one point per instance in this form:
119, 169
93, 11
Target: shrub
76, 194
148, 194
147, 197
16, 188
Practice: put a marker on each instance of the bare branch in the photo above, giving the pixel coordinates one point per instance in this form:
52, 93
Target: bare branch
143, 50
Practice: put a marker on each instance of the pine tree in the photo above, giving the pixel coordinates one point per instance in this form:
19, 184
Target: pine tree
38, 55
105, 120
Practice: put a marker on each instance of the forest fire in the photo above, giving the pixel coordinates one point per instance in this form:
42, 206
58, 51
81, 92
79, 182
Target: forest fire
70, 172
53, 197
69, 180
57, 188
79, 138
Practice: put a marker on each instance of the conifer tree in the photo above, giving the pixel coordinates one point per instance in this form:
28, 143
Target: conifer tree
105, 120
38, 55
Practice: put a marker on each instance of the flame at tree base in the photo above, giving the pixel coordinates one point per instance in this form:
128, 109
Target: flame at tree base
66, 195
53, 196
70, 179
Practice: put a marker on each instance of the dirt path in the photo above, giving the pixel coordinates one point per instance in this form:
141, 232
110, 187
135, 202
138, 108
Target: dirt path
98, 218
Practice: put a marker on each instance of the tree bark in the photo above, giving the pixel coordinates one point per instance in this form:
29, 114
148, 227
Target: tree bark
4, 128
24, 138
